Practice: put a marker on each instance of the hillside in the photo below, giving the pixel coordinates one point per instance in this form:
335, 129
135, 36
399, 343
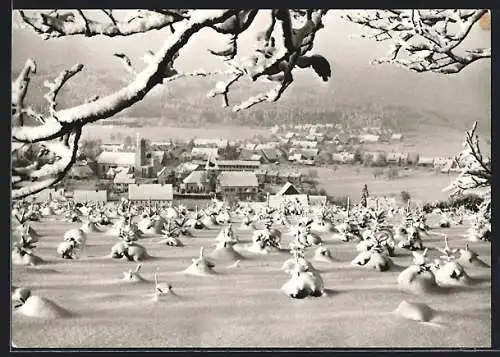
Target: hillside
184, 103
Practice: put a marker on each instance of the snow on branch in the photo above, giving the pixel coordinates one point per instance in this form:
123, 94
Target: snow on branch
57, 84
423, 40
54, 160
61, 23
476, 170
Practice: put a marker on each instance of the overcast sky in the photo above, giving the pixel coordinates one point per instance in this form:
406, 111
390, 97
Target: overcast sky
354, 78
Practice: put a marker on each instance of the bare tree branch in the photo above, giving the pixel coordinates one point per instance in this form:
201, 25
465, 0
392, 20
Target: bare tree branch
56, 24
57, 84
422, 35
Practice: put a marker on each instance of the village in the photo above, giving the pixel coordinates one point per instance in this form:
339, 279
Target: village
246, 170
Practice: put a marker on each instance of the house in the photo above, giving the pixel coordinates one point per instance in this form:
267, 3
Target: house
113, 147
250, 155
164, 175
289, 135
229, 165
242, 184
397, 137
425, 161
122, 180
186, 168
288, 189
304, 144
272, 154
369, 138
397, 158
90, 196
143, 193
204, 152
194, 182
111, 160
343, 157
250, 146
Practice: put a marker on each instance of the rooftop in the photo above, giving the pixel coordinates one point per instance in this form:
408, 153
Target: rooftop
194, 177
237, 179
153, 191
116, 158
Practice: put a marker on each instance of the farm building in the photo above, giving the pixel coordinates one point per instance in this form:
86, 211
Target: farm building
122, 180
242, 184
90, 196
142, 193
194, 182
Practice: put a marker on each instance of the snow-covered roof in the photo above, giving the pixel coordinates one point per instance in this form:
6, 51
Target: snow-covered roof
194, 177
153, 191
124, 178
116, 158
288, 189
238, 179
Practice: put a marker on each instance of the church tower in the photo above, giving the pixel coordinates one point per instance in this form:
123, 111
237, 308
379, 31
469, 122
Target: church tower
140, 155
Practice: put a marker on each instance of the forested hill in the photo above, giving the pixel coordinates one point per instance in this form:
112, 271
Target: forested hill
184, 102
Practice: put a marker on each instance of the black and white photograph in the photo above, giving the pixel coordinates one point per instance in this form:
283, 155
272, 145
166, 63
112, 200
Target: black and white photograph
256, 178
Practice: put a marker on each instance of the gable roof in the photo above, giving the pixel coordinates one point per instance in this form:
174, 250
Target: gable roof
288, 189
237, 179
116, 158
150, 191
90, 195
195, 177
124, 178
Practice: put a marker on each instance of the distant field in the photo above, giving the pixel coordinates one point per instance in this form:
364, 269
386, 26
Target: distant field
104, 132
345, 181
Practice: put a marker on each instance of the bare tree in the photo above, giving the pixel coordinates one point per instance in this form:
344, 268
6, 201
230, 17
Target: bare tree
424, 40
475, 168
281, 48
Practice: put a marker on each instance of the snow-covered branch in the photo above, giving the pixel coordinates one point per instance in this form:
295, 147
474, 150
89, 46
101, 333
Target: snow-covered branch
424, 40
476, 170
75, 22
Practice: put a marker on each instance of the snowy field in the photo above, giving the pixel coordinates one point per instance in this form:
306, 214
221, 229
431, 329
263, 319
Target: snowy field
241, 306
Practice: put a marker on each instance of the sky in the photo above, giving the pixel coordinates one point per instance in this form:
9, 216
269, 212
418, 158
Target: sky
354, 78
